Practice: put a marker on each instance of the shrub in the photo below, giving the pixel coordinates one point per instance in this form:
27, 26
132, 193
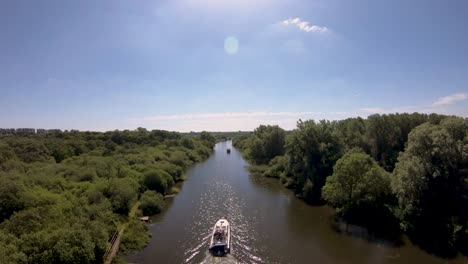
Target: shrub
158, 180
151, 202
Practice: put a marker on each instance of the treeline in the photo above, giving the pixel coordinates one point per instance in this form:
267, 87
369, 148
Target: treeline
391, 173
63, 194
220, 136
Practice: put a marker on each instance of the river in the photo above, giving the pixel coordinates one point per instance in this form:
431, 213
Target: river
269, 224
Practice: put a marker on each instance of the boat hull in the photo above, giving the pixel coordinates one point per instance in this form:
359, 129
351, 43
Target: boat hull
220, 243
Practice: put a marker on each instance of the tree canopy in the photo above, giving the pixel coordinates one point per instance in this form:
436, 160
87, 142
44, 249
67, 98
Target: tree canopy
63, 194
410, 168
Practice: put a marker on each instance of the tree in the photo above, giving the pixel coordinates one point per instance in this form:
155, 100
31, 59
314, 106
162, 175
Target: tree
9, 249
313, 149
151, 202
121, 192
158, 180
207, 137
357, 181
11, 200
6, 153
257, 150
187, 143
61, 245
272, 138
430, 182
351, 133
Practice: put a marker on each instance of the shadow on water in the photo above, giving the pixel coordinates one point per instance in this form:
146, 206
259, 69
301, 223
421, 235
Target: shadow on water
390, 237
436, 238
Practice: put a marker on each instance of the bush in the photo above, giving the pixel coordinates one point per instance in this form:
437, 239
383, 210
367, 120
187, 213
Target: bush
187, 143
158, 180
179, 158
122, 192
151, 202
135, 237
174, 170
87, 175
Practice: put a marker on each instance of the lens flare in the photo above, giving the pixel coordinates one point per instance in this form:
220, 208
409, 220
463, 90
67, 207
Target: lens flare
231, 45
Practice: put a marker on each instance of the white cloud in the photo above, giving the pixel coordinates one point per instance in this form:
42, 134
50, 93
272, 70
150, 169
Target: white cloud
450, 99
440, 106
304, 25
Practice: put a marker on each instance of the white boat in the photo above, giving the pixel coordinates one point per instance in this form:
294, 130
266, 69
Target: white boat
221, 238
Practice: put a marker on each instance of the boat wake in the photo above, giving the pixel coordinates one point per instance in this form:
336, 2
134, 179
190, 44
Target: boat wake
210, 259
212, 206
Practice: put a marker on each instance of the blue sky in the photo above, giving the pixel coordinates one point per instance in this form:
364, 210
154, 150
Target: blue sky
105, 65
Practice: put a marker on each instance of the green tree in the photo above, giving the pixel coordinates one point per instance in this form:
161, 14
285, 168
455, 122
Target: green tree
151, 202
122, 191
158, 180
6, 153
357, 181
207, 137
11, 197
10, 252
273, 139
313, 149
430, 182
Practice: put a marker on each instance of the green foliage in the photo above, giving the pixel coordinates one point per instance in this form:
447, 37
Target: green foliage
357, 181
6, 153
135, 238
205, 136
187, 143
151, 202
62, 245
277, 167
174, 170
431, 182
427, 192
11, 197
28, 150
266, 143
63, 194
122, 191
9, 249
158, 180
312, 149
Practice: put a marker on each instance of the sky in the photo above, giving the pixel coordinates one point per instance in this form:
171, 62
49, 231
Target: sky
193, 65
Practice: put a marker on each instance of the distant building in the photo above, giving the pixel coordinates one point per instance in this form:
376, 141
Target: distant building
25, 131
7, 131
41, 131
54, 131
29, 131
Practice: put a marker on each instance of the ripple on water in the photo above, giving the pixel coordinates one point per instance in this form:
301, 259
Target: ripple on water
220, 200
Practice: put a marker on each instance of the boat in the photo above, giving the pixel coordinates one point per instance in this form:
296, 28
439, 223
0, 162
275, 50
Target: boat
228, 151
220, 243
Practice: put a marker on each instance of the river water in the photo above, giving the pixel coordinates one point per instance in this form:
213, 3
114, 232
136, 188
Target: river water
269, 224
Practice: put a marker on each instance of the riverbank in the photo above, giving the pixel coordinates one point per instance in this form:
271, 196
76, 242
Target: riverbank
373, 180
64, 195
269, 224
139, 236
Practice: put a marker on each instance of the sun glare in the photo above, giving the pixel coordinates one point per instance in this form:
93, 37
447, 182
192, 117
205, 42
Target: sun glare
231, 45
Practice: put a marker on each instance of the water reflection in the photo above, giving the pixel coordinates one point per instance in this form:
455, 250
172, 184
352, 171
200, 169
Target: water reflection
269, 225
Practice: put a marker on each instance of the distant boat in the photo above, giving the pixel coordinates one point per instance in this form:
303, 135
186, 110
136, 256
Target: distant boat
228, 151
220, 244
